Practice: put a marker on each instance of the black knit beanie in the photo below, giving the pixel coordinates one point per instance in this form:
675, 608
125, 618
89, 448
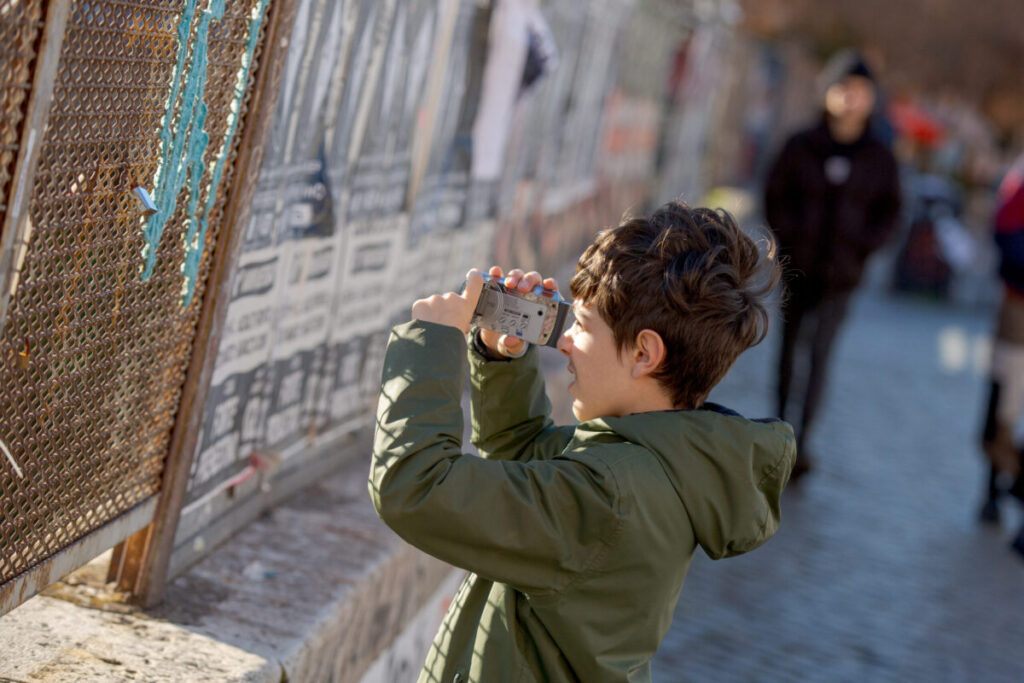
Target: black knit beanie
841, 65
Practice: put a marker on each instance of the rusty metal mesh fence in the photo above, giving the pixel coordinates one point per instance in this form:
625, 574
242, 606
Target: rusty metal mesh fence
20, 25
93, 356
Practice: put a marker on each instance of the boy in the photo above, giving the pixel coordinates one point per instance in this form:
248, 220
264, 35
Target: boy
578, 538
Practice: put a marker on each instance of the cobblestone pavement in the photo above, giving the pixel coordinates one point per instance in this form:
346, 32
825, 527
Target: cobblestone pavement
880, 571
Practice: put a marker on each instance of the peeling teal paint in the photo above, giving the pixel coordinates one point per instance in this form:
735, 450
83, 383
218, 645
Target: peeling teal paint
183, 141
168, 179
196, 234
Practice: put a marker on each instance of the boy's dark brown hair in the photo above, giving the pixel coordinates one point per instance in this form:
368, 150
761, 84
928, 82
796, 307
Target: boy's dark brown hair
692, 276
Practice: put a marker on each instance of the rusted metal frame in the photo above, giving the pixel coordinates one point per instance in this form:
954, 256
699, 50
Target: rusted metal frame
145, 558
32, 581
14, 233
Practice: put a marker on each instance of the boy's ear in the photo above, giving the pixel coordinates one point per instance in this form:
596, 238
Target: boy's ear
648, 353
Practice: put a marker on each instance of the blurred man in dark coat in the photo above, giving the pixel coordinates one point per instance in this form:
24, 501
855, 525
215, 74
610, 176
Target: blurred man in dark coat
832, 198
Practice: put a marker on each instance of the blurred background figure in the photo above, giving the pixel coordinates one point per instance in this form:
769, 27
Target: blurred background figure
1001, 438
832, 198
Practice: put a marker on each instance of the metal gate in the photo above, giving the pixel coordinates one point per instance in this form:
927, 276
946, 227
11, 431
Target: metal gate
120, 122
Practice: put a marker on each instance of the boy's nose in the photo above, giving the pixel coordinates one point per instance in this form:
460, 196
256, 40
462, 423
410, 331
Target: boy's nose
564, 342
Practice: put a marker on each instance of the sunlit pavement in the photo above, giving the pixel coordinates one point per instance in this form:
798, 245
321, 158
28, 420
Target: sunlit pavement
880, 571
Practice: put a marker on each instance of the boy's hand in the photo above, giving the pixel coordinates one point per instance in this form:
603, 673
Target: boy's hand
501, 344
454, 310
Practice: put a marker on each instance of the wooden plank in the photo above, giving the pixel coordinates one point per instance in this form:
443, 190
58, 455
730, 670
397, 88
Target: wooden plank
16, 230
147, 558
129, 556
116, 558
28, 583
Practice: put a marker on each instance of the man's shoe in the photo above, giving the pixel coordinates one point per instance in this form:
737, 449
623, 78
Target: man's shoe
1017, 490
989, 513
1018, 543
801, 467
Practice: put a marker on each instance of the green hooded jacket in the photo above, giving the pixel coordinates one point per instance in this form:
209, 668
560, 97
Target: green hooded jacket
577, 538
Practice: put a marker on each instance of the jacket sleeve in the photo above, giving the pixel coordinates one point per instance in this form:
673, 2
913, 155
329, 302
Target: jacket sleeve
533, 525
510, 410
781, 195
884, 212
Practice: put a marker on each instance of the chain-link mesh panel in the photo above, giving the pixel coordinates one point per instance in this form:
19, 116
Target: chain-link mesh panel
93, 357
20, 24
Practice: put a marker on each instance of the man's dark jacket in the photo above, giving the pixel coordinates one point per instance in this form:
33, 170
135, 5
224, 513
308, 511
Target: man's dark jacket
1009, 223
831, 252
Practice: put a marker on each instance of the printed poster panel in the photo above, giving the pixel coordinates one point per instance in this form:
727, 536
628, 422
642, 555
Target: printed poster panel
375, 219
282, 289
688, 130
440, 202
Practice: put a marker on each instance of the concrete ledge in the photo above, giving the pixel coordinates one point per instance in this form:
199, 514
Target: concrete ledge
315, 589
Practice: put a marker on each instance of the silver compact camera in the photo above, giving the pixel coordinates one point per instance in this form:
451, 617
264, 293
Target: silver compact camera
538, 316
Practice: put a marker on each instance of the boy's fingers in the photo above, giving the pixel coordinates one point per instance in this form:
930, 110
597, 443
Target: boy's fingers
474, 285
510, 345
495, 271
529, 281
513, 277
524, 282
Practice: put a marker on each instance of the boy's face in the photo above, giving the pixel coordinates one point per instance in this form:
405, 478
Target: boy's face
601, 384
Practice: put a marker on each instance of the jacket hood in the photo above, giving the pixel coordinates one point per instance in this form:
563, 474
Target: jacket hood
728, 471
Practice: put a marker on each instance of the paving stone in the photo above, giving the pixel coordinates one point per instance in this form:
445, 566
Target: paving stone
879, 571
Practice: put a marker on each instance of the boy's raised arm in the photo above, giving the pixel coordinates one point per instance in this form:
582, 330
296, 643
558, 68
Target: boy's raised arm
509, 408
532, 525
510, 411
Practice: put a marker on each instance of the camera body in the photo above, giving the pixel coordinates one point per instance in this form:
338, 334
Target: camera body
538, 316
